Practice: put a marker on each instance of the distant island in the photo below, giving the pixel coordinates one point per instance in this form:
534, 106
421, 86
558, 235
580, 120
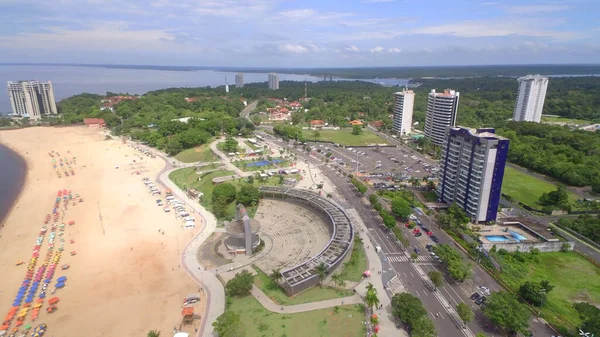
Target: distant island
374, 72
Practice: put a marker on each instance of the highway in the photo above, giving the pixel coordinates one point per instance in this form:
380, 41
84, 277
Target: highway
248, 109
398, 267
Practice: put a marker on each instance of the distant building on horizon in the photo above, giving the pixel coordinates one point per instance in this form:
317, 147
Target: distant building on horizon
239, 80
273, 81
441, 114
32, 99
403, 111
472, 170
530, 98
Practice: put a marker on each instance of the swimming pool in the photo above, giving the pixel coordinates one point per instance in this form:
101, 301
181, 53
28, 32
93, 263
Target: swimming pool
265, 162
497, 238
517, 236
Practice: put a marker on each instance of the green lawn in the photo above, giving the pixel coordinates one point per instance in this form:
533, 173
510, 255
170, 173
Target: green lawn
573, 277
565, 120
345, 137
313, 294
356, 265
526, 188
430, 196
258, 322
252, 146
197, 154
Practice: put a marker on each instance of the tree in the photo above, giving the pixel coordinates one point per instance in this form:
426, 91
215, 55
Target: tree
173, 147
401, 207
423, 327
535, 293
506, 312
407, 308
153, 333
230, 145
590, 317
321, 271
248, 195
430, 185
559, 198
256, 120
250, 179
480, 334
276, 275
464, 312
371, 298
357, 130
240, 284
338, 280
316, 134
224, 192
436, 278
229, 325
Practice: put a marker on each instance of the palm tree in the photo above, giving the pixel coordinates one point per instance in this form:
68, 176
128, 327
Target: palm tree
321, 270
371, 298
370, 287
153, 333
414, 256
339, 282
275, 275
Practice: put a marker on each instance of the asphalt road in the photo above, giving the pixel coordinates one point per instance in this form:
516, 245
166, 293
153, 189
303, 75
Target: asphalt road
397, 263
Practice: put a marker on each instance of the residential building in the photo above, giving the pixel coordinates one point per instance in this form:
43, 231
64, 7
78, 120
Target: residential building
441, 114
403, 112
32, 99
356, 122
317, 123
530, 98
472, 169
273, 81
239, 80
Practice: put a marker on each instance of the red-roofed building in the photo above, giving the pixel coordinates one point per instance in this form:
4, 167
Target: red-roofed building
376, 124
356, 122
317, 123
295, 105
94, 122
191, 99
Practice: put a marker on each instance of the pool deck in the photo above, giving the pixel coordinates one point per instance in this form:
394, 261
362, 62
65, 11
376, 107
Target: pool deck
500, 230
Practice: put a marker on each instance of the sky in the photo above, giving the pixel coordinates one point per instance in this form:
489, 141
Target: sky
293, 33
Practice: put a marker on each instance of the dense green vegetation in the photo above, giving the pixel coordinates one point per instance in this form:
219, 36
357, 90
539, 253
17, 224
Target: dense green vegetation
409, 309
573, 277
586, 225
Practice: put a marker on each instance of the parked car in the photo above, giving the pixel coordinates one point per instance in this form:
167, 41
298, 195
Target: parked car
417, 251
475, 296
435, 239
429, 247
480, 300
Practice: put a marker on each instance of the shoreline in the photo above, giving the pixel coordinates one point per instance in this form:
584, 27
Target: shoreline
128, 250
22, 185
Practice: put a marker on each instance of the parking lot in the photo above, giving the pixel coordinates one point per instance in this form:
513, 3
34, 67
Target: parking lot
378, 164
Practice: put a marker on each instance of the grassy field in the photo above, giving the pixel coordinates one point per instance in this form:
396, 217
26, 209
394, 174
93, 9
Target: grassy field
565, 120
525, 188
345, 137
430, 196
573, 277
252, 146
313, 294
346, 321
197, 154
356, 265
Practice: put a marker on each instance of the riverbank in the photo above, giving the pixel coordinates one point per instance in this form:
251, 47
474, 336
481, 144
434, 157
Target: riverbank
126, 276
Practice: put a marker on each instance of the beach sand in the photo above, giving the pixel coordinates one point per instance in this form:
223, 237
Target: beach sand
126, 278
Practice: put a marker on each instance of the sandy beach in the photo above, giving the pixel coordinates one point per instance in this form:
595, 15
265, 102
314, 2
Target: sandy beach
126, 277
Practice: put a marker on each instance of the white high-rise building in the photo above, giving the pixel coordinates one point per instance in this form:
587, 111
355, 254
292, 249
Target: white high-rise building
273, 81
530, 98
32, 98
441, 113
472, 170
403, 111
239, 80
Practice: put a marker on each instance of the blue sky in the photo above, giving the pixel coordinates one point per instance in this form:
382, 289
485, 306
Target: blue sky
308, 33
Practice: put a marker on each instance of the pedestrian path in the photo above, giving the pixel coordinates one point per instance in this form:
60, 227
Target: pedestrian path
404, 258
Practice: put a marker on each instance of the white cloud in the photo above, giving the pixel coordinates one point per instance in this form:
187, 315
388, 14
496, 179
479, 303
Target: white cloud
352, 48
312, 16
377, 50
377, 1
534, 9
293, 48
394, 50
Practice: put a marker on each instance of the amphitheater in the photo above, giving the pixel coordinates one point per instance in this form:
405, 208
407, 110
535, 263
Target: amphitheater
306, 230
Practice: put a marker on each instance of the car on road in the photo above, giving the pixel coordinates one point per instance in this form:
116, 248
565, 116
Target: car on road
417, 251
429, 247
480, 300
418, 234
475, 296
435, 239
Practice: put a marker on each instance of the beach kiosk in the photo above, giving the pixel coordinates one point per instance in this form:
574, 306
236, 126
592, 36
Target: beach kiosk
188, 315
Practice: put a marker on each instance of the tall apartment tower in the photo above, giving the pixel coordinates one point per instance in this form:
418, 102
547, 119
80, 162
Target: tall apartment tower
530, 98
32, 98
273, 81
472, 169
403, 111
239, 80
441, 114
